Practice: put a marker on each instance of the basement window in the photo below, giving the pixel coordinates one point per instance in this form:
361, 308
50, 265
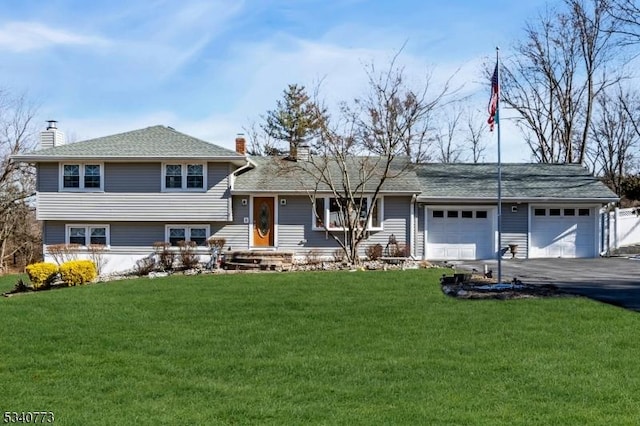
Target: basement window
87, 235
196, 233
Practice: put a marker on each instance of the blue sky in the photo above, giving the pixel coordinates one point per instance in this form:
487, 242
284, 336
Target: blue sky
209, 68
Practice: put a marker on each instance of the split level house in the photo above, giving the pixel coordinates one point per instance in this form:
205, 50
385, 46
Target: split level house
131, 190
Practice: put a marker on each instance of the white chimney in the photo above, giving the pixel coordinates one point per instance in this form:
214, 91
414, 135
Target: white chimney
303, 153
52, 136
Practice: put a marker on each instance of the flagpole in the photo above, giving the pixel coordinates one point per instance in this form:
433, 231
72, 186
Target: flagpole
497, 119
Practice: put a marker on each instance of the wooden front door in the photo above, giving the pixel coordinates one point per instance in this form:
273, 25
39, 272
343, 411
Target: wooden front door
263, 220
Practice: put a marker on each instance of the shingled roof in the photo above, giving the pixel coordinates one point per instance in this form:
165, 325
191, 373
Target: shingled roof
438, 182
278, 175
154, 142
519, 181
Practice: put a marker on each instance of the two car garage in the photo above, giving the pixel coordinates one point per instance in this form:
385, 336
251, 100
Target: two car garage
465, 233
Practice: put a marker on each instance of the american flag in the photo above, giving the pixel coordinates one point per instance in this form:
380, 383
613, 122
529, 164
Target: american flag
493, 102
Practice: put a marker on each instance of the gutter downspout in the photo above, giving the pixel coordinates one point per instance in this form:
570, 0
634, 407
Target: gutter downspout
232, 179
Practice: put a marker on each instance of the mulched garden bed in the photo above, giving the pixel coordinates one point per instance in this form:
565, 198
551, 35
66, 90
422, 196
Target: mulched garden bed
479, 287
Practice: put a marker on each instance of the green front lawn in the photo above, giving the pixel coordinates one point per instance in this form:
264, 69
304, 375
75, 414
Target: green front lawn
319, 348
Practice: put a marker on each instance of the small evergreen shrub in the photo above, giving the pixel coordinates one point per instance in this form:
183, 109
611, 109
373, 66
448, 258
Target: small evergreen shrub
41, 273
78, 272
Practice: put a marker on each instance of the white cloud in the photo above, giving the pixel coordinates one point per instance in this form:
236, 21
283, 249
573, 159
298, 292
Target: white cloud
234, 89
25, 36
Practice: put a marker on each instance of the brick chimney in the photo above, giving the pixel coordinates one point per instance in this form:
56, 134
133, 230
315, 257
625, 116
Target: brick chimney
241, 144
52, 136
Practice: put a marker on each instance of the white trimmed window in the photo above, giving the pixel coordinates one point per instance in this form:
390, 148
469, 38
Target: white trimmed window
86, 235
81, 177
184, 177
327, 210
196, 233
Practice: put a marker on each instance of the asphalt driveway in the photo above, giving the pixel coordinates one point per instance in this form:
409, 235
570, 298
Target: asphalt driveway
614, 280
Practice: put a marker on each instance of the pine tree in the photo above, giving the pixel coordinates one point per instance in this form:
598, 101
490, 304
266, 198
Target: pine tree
296, 119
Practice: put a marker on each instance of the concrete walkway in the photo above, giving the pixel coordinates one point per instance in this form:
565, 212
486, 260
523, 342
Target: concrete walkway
613, 280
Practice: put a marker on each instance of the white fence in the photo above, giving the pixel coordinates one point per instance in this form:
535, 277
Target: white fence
624, 225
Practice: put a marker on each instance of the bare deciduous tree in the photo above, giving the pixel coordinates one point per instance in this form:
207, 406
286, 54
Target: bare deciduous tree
627, 14
556, 75
398, 116
17, 180
447, 138
369, 144
615, 136
476, 131
260, 143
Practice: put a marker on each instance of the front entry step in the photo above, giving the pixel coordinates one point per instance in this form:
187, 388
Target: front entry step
259, 260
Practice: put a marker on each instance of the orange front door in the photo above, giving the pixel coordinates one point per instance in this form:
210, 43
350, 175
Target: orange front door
263, 220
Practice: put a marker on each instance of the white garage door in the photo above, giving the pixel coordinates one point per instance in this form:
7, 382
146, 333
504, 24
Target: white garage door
563, 232
459, 233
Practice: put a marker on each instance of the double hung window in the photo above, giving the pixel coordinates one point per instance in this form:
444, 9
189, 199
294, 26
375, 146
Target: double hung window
184, 177
81, 177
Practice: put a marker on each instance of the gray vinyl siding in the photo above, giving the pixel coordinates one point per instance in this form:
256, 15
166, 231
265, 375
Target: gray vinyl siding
53, 233
218, 179
397, 215
514, 228
135, 177
132, 192
132, 177
136, 234
295, 231
132, 234
294, 227
236, 233
47, 177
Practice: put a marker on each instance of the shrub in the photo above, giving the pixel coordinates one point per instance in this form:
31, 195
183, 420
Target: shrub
217, 243
62, 253
144, 266
97, 256
42, 273
78, 272
399, 250
374, 252
338, 255
188, 256
166, 257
